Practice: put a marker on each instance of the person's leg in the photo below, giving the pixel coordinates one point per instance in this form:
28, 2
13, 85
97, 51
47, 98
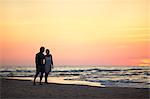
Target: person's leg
41, 78
46, 76
35, 77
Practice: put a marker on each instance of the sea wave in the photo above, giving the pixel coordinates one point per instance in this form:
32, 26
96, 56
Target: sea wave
114, 76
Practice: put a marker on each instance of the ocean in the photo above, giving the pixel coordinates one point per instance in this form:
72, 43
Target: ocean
109, 76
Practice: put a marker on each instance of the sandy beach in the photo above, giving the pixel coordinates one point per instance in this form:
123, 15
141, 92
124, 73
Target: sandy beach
24, 89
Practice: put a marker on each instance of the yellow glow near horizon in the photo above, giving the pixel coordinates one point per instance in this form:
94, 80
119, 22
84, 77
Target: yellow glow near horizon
78, 32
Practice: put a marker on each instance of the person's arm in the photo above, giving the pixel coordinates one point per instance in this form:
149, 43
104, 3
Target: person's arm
36, 59
52, 60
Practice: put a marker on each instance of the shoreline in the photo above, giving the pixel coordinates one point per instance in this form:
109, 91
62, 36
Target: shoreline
59, 80
24, 89
64, 80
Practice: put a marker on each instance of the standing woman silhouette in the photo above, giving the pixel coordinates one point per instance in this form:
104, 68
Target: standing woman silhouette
48, 64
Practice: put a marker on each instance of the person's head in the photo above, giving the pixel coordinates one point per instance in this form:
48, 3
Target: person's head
42, 49
47, 51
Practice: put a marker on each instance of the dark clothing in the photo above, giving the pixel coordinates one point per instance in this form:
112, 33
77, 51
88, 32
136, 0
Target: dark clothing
39, 60
40, 68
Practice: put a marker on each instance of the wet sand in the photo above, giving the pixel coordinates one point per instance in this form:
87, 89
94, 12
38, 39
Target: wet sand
24, 89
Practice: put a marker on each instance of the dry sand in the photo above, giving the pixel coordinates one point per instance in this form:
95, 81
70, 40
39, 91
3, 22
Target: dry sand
24, 89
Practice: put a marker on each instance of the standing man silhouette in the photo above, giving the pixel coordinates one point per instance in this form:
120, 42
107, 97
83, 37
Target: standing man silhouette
39, 61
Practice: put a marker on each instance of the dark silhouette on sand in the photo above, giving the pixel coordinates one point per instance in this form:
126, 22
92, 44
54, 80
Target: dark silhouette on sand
48, 64
39, 60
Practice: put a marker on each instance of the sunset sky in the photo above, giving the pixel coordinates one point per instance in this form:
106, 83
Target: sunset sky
78, 32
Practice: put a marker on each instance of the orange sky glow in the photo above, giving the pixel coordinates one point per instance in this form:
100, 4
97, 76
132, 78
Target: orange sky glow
78, 32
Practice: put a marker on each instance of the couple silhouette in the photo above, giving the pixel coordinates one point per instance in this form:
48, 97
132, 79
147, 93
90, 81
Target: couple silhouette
44, 64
